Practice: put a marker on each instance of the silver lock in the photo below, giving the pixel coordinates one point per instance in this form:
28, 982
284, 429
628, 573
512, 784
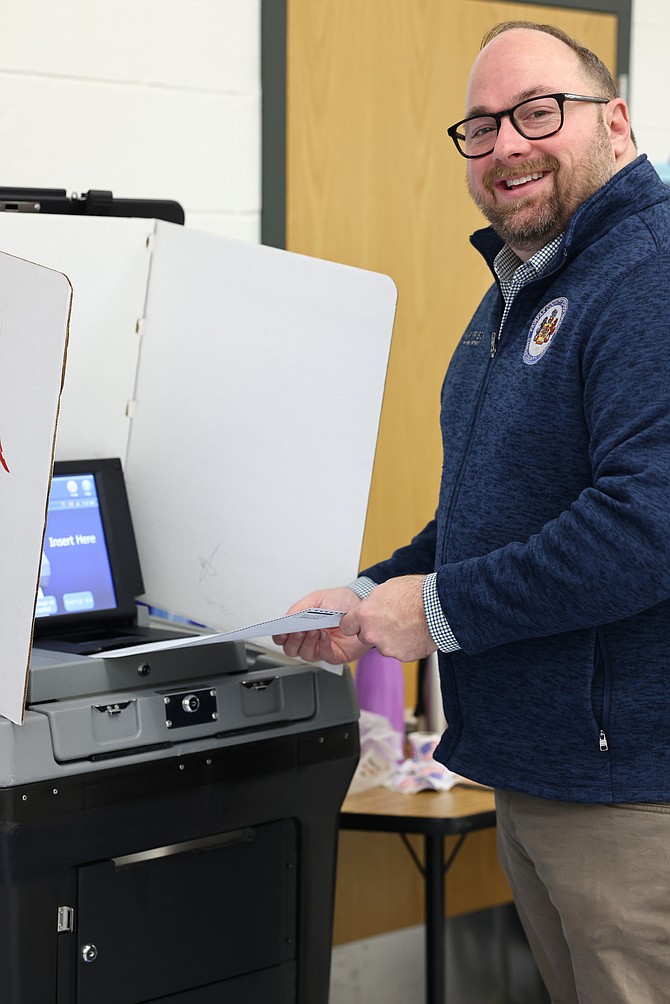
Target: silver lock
190, 708
89, 953
190, 703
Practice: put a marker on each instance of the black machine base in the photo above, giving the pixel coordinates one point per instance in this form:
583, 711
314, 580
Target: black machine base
198, 879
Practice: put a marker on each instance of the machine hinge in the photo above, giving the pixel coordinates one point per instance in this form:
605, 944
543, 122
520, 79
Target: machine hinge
65, 919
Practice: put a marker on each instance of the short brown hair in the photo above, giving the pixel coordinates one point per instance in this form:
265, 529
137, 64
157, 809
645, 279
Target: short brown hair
592, 65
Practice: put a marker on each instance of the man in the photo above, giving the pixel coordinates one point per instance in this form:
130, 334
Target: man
544, 580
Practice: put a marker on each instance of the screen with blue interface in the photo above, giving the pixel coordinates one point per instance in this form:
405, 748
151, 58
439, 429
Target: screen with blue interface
75, 575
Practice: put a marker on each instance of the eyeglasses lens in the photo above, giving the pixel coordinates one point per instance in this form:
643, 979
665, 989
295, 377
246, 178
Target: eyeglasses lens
534, 119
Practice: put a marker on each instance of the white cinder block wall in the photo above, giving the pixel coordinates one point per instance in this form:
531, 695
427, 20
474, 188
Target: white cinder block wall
146, 98
161, 99
650, 45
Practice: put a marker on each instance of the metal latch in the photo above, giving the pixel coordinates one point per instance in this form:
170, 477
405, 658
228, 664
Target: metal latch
259, 684
112, 709
65, 919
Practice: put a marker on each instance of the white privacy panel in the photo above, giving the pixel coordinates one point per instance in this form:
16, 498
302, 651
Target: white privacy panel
34, 312
257, 407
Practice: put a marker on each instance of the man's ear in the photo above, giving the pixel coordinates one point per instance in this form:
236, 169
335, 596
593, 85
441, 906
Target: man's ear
617, 121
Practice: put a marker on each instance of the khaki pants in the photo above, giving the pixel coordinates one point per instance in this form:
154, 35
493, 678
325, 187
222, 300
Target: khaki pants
592, 887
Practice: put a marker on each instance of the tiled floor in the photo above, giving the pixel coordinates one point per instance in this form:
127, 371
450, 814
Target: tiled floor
488, 962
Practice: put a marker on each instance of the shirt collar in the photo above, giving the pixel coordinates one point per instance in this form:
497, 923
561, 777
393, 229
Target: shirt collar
513, 273
507, 264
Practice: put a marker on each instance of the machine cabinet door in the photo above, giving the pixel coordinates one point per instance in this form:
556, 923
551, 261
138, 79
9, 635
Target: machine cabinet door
183, 918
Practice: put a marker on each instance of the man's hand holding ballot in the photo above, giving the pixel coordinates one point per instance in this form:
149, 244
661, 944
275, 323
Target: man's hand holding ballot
391, 618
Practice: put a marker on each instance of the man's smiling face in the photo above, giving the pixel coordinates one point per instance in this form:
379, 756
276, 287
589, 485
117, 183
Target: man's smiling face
529, 189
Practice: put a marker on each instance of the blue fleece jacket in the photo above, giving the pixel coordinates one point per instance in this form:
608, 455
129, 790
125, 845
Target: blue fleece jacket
551, 540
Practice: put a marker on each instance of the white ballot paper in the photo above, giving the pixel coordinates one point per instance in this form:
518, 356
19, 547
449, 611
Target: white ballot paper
311, 619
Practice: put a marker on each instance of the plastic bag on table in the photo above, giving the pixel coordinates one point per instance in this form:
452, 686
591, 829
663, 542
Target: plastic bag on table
381, 750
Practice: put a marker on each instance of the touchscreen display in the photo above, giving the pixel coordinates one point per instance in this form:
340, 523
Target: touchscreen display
75, 575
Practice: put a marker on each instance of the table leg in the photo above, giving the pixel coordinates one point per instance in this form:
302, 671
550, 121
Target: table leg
434, 913
434, 870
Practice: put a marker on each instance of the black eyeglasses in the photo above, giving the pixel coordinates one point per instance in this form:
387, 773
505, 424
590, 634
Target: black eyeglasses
534, 118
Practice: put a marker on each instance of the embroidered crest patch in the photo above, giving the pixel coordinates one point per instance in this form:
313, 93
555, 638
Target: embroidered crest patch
543, 329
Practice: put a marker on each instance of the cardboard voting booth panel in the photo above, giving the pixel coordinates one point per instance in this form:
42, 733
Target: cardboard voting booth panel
34, 312
241, 386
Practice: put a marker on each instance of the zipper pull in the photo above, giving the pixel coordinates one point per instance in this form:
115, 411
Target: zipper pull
603, 742
494, 342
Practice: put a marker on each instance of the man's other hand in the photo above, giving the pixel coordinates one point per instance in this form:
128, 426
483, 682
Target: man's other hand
392, 619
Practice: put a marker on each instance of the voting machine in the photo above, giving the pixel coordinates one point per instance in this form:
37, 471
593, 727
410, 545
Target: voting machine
168, 820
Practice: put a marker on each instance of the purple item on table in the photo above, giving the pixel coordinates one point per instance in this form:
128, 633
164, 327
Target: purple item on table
380, 685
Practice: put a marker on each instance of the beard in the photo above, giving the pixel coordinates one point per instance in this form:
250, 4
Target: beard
530, 222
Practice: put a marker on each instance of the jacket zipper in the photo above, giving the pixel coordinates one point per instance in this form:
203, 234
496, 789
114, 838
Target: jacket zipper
607, 690
496, 337
495, 341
